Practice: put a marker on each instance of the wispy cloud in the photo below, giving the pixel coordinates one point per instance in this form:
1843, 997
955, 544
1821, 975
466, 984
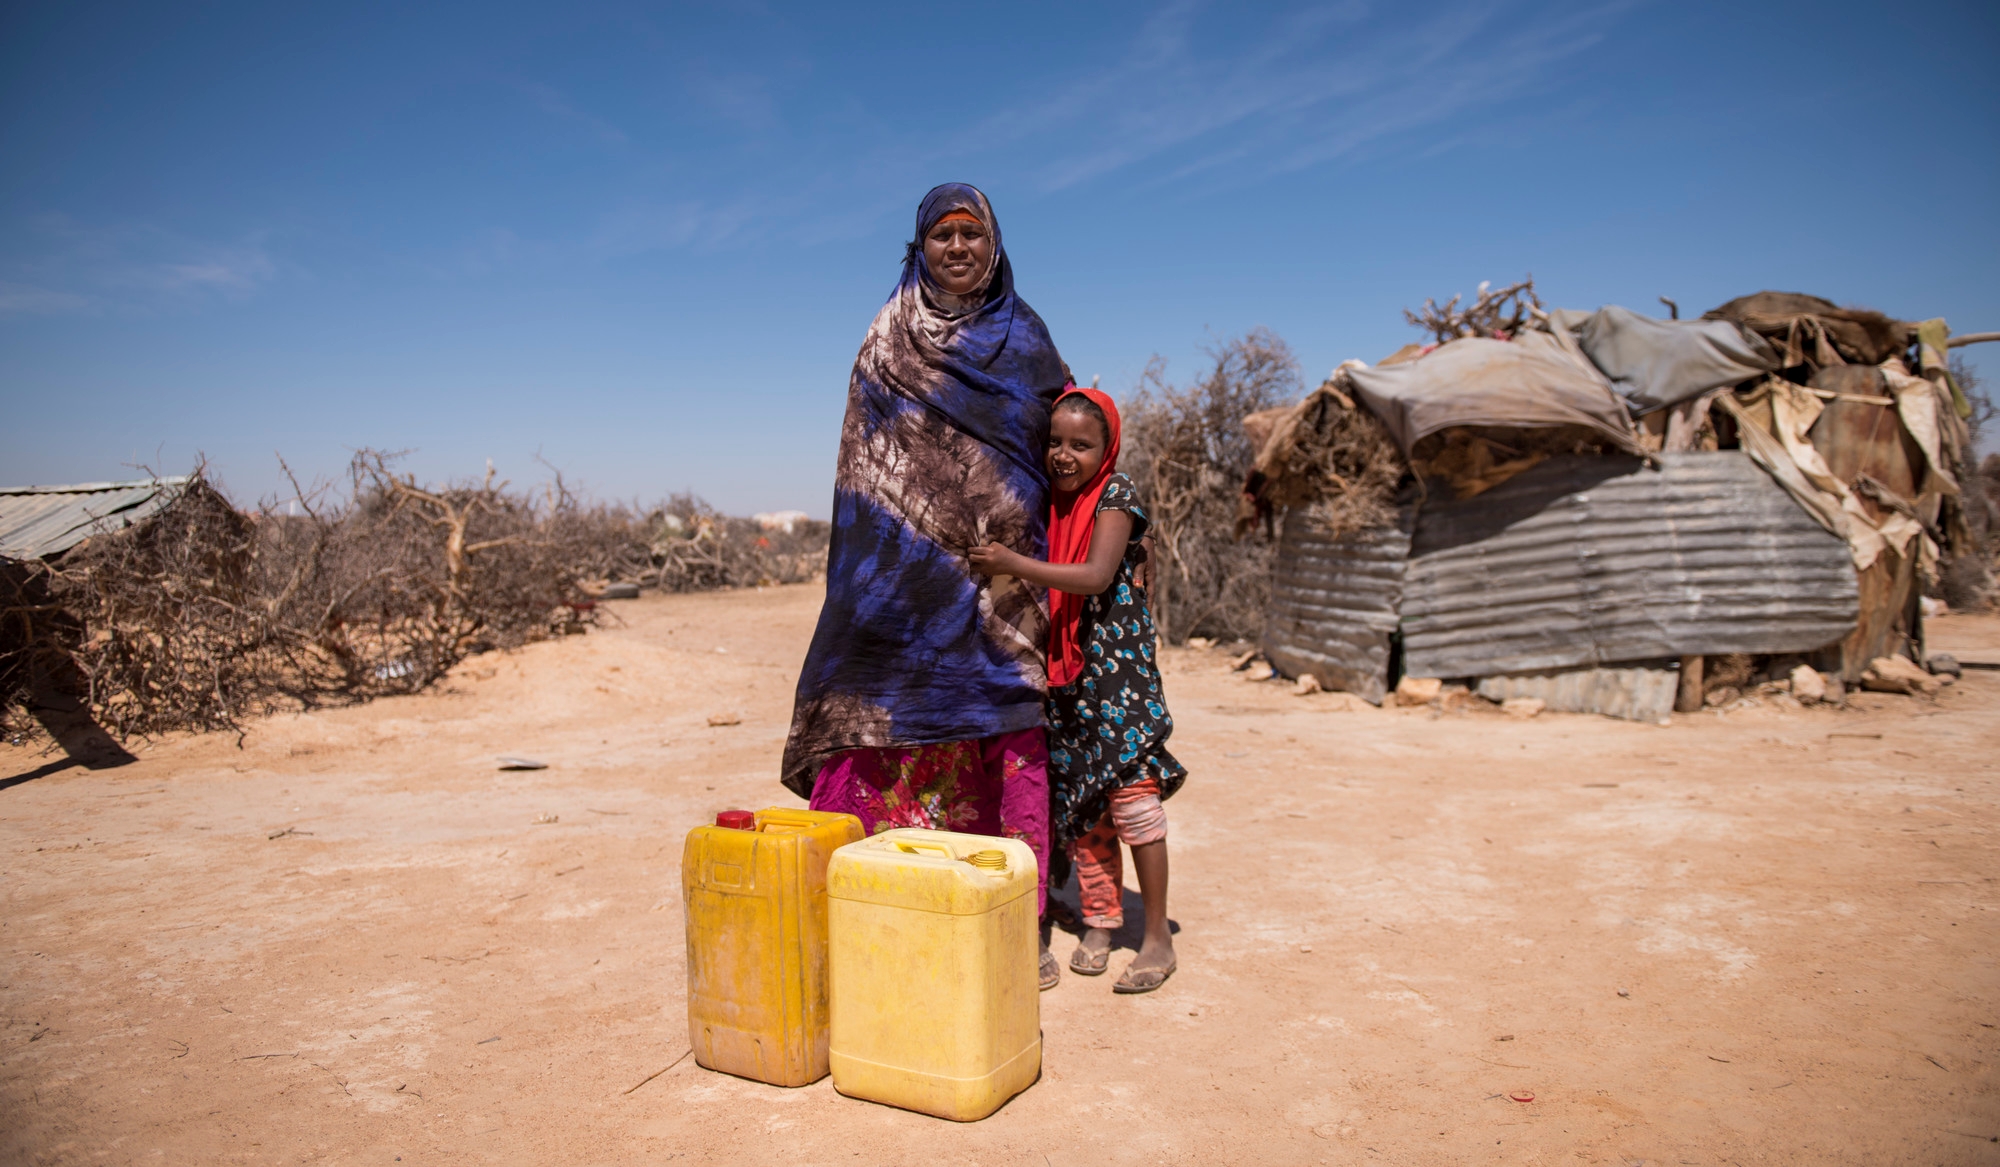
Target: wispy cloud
63, 266
557, 105
1200, 96
28, 300
1318, 85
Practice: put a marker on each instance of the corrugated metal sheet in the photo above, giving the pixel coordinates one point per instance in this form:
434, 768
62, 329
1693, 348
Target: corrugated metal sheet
1596, 560
1333, 605
44, 520
1633, 694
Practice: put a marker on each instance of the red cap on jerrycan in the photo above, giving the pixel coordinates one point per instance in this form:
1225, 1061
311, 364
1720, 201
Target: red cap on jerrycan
737, 820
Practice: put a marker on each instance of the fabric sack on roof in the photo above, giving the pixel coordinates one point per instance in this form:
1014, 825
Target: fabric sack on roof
1526, 383
1656, 363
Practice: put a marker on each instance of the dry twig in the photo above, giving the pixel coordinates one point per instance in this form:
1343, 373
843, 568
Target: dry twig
1492, 314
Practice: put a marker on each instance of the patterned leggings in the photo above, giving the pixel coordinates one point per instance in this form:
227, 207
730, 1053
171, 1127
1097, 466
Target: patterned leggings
1135, 818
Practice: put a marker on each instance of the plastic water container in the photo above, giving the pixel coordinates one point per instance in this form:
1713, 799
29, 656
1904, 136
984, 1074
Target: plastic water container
932, 952
755, 892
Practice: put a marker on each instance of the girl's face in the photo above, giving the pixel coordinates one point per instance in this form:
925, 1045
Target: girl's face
1076, 449
958, 252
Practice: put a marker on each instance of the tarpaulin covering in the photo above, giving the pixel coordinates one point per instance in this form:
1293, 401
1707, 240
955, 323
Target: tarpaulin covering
1810, 330
1526, 383
1656, 363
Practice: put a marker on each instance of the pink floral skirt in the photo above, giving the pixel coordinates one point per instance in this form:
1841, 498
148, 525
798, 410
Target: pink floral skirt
993, 786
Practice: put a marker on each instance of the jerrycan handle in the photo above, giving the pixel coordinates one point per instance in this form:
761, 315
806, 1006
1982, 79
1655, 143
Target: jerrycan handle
909, 848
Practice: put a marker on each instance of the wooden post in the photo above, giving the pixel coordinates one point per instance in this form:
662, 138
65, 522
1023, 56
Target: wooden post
1688, 700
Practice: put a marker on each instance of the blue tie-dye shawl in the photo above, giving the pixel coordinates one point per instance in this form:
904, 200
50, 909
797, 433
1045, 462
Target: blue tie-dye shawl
941, 450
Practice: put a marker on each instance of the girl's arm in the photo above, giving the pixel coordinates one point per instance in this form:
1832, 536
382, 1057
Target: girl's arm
1092, 576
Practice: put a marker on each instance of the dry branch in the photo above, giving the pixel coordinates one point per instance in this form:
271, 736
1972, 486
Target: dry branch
1492, 314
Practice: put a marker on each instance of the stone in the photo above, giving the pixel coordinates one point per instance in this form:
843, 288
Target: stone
1898, 674
1807, 685
1721, 695
1308, 684
1453, 697
1523, 707
1943, 664
1418, 690
1259, 671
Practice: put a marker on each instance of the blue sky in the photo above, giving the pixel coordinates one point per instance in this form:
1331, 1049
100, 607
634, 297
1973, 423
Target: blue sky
645, 241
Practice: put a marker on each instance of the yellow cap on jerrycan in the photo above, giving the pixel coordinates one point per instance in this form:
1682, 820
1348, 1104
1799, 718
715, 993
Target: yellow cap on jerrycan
755, 892
932, 951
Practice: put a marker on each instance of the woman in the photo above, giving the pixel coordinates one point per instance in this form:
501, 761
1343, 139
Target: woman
920, 703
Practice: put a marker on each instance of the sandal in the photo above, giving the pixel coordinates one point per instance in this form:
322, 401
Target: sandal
1051, 971
1085, 963
1143, 980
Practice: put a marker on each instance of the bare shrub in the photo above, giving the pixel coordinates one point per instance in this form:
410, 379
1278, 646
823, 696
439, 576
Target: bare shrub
1186, 451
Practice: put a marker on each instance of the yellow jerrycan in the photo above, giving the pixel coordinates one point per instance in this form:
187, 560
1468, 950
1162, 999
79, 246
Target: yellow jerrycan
931, 950
754, 886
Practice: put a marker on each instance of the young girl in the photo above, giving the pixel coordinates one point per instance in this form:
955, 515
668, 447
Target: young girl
1109, 767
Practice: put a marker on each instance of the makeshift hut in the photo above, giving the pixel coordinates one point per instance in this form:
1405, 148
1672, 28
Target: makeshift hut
39, 525
1586, 506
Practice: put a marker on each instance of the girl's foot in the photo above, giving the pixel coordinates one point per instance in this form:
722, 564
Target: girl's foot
1149, 970
1051, 971
1093, 954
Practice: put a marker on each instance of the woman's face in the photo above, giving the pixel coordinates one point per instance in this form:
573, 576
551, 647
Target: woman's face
958, 253
1076, 449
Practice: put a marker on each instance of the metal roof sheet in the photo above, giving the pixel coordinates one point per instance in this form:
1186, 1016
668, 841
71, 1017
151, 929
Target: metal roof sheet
1333, 605
45, 520
1596, 560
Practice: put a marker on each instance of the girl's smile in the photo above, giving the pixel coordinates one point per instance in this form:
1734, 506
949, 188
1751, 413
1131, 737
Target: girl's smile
1076, 449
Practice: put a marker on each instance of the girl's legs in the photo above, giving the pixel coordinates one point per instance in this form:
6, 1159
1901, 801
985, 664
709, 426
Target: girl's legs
1142, 824
1100, 883
1157, 950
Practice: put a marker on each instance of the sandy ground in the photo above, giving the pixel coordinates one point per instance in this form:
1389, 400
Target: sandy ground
1760, 937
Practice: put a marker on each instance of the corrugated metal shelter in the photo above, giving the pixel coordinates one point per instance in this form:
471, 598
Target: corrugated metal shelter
39, 521
1578, 562
1807, 485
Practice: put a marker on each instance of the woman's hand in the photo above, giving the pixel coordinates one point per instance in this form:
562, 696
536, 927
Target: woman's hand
993, 559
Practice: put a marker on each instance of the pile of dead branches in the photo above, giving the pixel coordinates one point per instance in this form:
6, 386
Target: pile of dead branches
1494, 314
692, 547
203, 615
1185, 449
1335, 460
157, 627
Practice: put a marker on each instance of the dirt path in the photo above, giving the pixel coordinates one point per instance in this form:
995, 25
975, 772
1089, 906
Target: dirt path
1736, 939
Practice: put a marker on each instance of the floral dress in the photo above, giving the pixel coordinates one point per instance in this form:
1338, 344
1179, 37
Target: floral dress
1109, 727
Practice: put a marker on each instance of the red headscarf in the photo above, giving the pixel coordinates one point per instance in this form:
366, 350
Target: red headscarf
1072, 521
